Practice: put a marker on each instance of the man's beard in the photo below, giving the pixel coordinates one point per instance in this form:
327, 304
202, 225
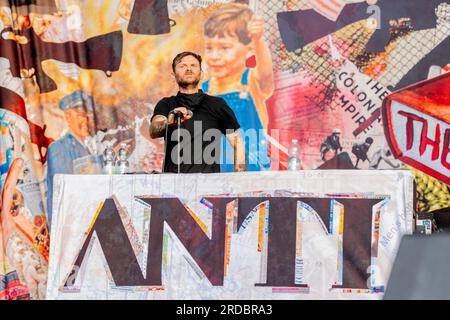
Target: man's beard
188, 84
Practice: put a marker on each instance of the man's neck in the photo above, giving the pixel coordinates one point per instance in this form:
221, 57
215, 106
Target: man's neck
188, 90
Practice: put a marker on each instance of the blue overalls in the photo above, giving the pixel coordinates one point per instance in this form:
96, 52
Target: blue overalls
256, 144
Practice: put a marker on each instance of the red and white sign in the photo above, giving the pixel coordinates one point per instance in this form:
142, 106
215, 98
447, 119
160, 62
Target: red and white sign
417, 126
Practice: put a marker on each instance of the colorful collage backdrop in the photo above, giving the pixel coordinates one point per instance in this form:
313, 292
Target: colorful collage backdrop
315, 71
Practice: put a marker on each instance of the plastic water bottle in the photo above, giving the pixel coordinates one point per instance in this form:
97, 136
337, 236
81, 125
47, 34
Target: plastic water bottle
110, 159
294, 156
122, 163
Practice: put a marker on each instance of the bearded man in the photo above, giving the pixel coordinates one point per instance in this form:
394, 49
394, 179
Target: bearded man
193, 123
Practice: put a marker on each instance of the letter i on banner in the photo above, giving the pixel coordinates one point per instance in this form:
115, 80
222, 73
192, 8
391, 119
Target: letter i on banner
146, 236
337, 229
263, 239
374, 282
299, 264
229, 228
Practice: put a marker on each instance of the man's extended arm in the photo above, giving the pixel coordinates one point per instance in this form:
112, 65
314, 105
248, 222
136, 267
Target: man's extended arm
158, 126
236, 141
159, 122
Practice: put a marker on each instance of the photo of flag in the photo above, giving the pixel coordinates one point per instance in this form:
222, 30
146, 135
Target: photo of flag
331, 9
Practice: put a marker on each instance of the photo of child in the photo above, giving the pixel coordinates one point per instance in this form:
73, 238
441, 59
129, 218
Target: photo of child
233, 36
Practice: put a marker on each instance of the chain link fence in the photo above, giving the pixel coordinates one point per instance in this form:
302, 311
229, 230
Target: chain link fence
406, 48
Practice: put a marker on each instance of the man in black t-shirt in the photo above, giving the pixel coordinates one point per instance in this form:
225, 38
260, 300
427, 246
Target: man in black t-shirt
203, 119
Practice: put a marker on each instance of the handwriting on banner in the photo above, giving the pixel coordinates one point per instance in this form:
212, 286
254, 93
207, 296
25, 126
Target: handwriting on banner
282, 245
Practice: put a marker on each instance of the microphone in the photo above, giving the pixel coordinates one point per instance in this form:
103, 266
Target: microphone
179, 114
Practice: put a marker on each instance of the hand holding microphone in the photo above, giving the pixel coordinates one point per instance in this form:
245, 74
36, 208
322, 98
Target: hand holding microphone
181, 112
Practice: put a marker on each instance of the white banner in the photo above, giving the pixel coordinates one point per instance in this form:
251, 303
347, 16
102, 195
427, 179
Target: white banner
263, 235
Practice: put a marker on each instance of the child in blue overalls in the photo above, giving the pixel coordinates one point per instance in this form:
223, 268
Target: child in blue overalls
232, 35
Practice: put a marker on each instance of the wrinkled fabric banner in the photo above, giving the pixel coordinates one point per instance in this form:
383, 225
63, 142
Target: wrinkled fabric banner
272, 235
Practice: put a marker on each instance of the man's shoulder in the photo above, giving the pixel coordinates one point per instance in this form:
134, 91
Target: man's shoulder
59, 143
215, 100
67, 142
167, 100
57, 149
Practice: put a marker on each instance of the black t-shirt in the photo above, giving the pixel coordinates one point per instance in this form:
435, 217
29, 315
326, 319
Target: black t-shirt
199, 152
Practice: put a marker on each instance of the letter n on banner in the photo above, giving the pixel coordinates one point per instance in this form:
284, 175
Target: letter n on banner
121, 259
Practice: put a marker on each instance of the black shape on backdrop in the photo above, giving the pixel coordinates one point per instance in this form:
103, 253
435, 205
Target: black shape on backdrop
103, 52
150, 17
299, 28
340, 161
438, 56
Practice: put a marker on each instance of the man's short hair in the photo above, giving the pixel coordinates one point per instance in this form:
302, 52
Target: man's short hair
230, 19
183, 54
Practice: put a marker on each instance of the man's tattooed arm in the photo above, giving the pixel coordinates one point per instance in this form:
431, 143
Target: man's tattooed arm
158, 126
